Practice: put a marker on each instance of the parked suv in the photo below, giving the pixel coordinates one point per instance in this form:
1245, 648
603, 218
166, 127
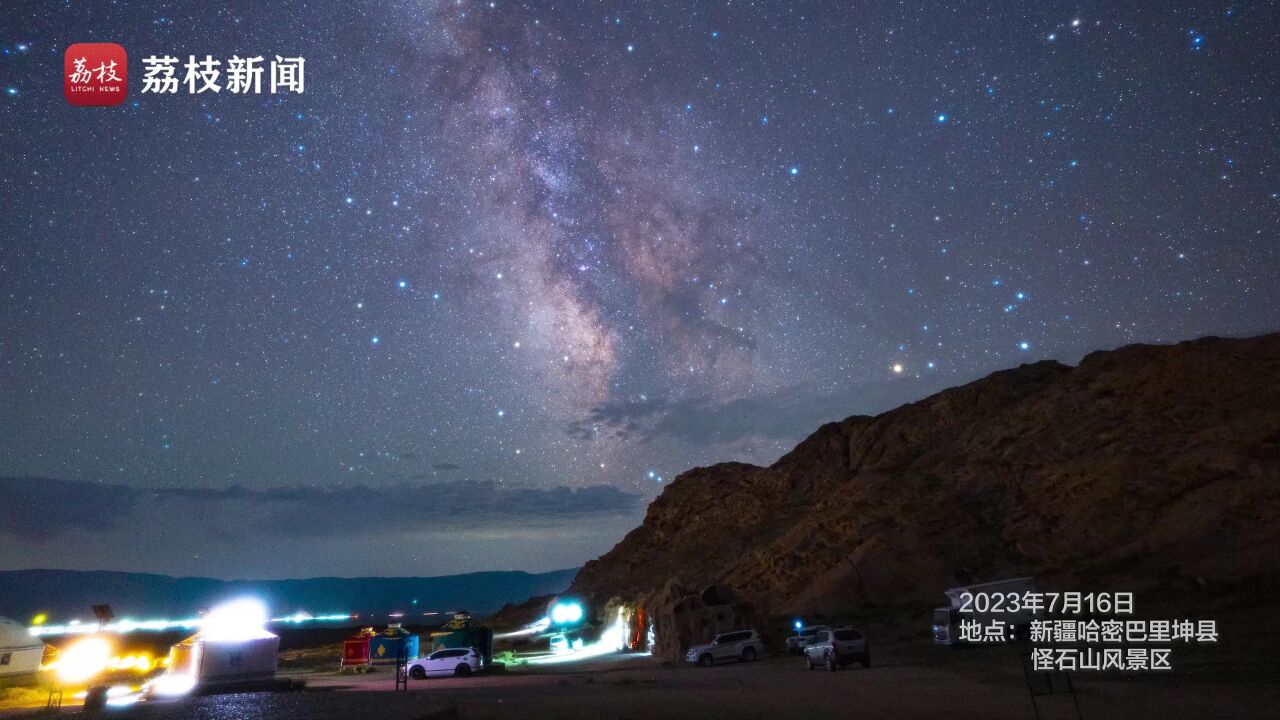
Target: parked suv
837, 648
740, 645
796, 643
443, 663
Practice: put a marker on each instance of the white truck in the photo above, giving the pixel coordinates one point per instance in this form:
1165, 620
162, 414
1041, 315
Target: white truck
1001, 600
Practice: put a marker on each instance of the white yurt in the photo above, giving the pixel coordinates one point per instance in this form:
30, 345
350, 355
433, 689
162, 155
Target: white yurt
20, 652
217, 661
233, 646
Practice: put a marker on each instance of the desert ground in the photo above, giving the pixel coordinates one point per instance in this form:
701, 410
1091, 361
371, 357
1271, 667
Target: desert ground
905, 681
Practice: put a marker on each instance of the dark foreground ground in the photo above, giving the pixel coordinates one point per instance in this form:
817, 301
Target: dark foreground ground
903, 683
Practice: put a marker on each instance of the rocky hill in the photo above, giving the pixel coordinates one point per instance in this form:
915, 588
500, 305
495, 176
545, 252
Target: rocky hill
1142, 467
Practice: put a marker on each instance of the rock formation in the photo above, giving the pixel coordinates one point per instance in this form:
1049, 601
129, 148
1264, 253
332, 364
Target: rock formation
1142, 467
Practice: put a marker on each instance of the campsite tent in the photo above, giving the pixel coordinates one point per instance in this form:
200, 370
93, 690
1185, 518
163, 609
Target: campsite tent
20, 653
355, 649
463, 632
215, 662
387, 646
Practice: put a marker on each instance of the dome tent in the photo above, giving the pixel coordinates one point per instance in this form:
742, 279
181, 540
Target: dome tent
20, 653
386, 647
464, 632
355, 649
232, 647
212, 662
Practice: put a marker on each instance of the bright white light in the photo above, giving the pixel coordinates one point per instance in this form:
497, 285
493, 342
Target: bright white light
171, 685
566, 613
533, 628
125, 626
83, 659
238, 620
124, 700
612, 640
122, 696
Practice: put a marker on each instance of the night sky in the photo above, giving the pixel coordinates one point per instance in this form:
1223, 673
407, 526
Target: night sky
503, 270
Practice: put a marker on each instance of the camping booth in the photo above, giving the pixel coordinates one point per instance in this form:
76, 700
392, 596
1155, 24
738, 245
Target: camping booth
20, 653
464, 632
386, 646
355, 649
225, 661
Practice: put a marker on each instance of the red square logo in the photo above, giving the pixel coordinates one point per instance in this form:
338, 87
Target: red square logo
95, 74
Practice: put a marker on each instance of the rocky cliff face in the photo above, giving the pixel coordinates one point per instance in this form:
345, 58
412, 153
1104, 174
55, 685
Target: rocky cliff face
1143, 466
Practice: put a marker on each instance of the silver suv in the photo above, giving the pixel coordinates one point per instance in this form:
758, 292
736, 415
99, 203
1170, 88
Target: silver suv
740, 645
837, 648
796, 643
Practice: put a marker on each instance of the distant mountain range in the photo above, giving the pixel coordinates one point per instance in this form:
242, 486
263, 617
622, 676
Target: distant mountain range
67, 594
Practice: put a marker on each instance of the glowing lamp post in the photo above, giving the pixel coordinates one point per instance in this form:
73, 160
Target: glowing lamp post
566, 613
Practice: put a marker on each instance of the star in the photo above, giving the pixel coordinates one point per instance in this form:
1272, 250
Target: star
568, 203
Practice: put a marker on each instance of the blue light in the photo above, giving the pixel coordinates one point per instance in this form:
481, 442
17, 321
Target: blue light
942, 117
799, 624
794, 171
567, 613
375, 340
1024, 345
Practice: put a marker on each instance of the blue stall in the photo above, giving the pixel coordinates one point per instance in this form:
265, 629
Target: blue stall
386, 646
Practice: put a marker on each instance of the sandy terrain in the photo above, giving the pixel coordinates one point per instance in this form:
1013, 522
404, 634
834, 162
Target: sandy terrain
983, 683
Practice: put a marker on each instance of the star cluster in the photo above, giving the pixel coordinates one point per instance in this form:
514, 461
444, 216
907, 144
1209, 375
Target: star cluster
579, 244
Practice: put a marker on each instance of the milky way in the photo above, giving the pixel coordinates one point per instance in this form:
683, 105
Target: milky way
526, 247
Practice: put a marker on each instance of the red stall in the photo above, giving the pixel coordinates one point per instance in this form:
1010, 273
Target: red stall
355, 649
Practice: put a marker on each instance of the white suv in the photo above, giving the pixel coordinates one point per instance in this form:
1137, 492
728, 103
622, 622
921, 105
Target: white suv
740, 645
450, 661
837, 648
796, 643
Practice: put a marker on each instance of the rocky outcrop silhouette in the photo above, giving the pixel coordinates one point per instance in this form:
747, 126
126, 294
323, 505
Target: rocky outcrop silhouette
1141, 467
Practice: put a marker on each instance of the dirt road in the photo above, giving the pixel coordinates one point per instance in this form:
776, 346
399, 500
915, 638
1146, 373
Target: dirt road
980, 684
